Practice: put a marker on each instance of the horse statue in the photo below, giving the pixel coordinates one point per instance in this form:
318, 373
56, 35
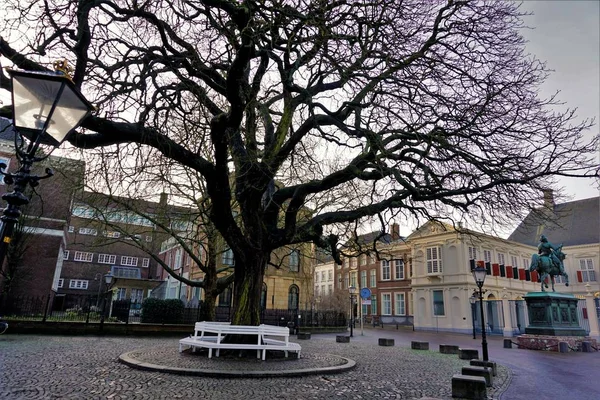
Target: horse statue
547, 268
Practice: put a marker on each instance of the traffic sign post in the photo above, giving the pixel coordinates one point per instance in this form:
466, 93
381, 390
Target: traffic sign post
365, 295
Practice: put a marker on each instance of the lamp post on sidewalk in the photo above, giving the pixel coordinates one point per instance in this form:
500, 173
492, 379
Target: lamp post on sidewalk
109, 280
352, 291
473, 300
479, 274
47, 107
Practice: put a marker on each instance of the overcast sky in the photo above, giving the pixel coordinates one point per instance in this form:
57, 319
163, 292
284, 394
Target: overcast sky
567, 37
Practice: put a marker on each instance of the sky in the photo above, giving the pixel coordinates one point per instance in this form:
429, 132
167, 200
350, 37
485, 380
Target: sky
567, 37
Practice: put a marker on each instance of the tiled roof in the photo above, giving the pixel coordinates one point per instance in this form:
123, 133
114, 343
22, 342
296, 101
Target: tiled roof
573, 223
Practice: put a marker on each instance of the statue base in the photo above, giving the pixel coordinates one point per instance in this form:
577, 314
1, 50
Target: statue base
550, 343
552, 314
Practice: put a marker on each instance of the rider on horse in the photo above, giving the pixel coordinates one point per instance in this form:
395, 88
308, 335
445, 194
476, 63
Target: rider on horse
547, 249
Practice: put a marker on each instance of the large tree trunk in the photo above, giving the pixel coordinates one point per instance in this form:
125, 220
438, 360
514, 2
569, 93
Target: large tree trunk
247, 289
207, 309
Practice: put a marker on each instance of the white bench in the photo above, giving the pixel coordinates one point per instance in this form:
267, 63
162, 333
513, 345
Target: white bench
210, 335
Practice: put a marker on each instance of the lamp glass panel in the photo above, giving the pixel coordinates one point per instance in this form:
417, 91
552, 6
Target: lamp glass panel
479, 275
33, 97
108, 279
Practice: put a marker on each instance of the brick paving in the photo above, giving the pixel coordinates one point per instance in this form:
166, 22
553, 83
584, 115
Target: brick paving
58, 367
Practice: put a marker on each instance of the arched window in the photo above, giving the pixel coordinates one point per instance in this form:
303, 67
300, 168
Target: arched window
293, 295
263, 297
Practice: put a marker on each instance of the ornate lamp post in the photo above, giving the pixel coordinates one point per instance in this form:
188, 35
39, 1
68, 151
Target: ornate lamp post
47, 107
479, 274
109, 279
352, 291
473, 300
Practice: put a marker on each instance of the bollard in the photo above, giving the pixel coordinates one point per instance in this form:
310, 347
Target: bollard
508, 343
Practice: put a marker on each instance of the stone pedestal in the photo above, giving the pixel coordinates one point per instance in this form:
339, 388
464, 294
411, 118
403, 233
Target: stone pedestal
552, 314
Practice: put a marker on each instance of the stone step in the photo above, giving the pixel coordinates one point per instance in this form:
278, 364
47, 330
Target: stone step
479, 371
469, 387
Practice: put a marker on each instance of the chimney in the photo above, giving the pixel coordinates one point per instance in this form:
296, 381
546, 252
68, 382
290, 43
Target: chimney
163, 199
395, 231
548, 199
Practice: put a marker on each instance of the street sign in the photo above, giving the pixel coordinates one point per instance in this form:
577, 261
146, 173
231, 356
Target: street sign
365, 293
366, 302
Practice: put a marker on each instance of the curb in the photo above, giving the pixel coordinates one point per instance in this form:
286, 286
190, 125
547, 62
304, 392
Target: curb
128, 360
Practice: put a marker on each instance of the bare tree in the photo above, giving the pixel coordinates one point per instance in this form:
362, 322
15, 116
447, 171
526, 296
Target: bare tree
428, 109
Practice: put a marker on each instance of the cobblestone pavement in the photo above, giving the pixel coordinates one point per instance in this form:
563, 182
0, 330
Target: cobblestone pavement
57, 367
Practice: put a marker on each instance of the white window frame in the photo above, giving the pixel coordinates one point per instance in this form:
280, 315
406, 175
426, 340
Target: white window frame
487, 255
61, 283
88, 231
400, 303
386, 304
586, 266
148, 238
294, 261
399, 269
129, 261
434, 260
111, 234
514, 261
363, 278
346, 280
107, 259
373, 278
66, 254
501, 259
71, 229
83, 256
386, 273
78, 284
472, 253
435, 310
145, 262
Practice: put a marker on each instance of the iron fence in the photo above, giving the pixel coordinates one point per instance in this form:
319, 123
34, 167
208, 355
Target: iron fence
88, 309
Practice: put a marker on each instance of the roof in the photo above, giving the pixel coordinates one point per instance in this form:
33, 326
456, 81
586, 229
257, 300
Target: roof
573, 223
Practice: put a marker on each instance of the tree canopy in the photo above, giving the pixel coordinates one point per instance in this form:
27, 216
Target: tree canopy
354, 108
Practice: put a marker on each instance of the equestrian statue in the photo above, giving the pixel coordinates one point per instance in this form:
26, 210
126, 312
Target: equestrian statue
549, 262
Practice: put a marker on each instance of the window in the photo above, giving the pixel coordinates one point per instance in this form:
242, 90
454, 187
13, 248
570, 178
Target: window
472, 253
145, 262
329, 288
322, 276
346, 280
227, 257
126, 272
6, 162
317, 287
317, 277
129, 261
121, 293
111, 234
78, 284
71, 229
137, 295
353, 262
61, 283
263, 296
399, 269
148, 238
178, 254
373, 278
373, 304
487, 255
83, 256
587, 270
294, 260
501, 258
386, 304
88, 231
107, 258
514, 262
525, 263
363, 259
363, 279
353, 277
385, 270
323, 289
293, 295
438, 303
434, 260
329, 275
399, 305
65, 254
225, 297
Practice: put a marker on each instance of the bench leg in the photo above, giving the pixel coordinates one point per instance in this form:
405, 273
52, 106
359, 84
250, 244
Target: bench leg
210, 352
218, 350
180, 348
264, 354
257, 353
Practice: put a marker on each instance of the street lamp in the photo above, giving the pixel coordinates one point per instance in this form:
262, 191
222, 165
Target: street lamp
109, 279
47, 107
352, 291
479, 274
473, 300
